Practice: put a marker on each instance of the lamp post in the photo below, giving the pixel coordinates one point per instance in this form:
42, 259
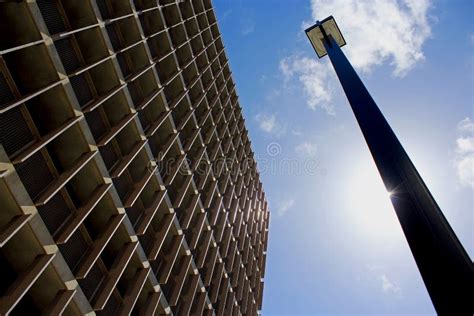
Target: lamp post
445, 266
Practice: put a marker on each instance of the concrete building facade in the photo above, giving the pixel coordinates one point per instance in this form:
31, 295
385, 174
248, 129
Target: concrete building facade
127, 180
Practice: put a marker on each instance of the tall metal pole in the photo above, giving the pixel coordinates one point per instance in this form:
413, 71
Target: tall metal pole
444, 265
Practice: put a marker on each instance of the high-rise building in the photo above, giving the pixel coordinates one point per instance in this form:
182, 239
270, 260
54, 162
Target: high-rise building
127, 180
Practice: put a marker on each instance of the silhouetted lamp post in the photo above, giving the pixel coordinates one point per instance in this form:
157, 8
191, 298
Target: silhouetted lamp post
444, 265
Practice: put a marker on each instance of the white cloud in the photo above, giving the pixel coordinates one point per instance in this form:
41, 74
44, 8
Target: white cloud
267, 123
377, 32
247, 22
388, 286
466, 125
464, 160
465, 145
313, 76
285, 206
248, 28
380, 31
306, 149
296, 131
226, 14
465, 170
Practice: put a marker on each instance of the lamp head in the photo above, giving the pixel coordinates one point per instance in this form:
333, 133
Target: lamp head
320, 32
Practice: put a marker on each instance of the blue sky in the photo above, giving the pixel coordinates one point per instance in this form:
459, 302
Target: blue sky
335, 245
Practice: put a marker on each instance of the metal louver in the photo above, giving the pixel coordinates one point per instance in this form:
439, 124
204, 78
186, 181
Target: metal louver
54, 213
96, 124
14, 131
146, 240
67, 54
134, 214
152, 47
35, 174
108, 155
81, 89
7, 274
122, 185
144, 119
90, 284
144, 24
6, 95
111, 308
104, 10
153, 148
123, 65
134, 93
113, 36
51, 16
74, 249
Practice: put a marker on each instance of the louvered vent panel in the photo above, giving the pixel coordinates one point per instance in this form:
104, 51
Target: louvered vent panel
133, 214
6, 95
75, 248
15, 133
156, 266
144, 119
134, 93
96, 124
154, 148
138, 4
81, 89
54, 213
108, 257
169, 95
123, 64
113, 36
35, 174
108, 155
122, 185
146, 239
152, 47
144, 24
67, 54
111, 308
165, 2
7, 274
104, 10
51, 16
90, 284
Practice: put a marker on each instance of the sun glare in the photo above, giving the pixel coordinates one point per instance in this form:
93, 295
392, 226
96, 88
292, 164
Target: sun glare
368, 202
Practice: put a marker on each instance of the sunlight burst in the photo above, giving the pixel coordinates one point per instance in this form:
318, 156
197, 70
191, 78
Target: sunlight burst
369, 202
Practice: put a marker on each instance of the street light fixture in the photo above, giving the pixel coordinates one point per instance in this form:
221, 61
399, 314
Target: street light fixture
320, 30
445, 266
